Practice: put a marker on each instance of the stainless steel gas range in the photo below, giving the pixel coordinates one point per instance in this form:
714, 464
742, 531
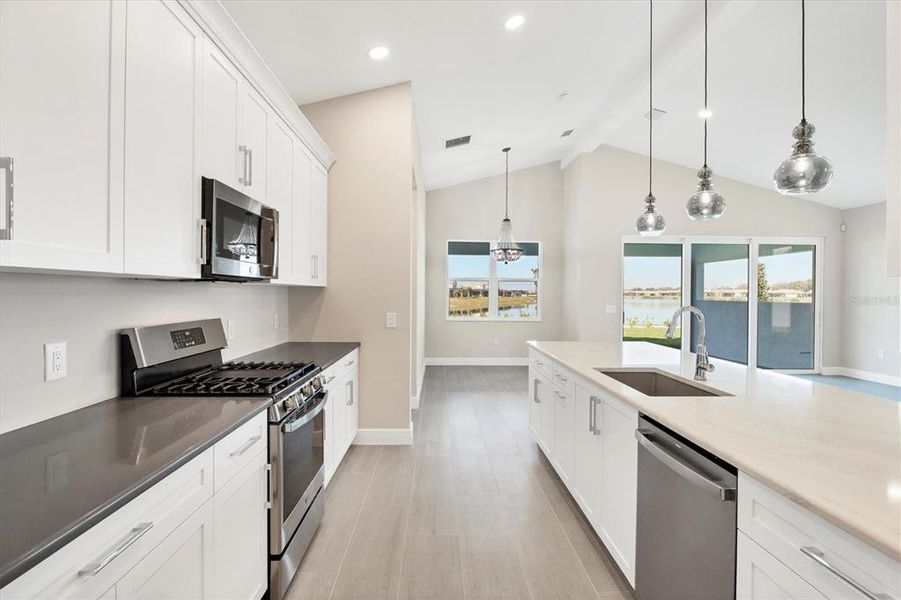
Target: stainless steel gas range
185, 359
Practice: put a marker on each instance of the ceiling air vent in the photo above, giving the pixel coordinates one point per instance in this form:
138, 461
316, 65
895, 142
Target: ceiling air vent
567, 133
460, 141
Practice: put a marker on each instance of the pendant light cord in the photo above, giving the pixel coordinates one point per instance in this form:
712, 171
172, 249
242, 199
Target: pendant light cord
651, 100
707, 112
803, 64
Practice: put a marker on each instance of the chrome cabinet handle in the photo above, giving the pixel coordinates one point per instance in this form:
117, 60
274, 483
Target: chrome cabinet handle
350, 392
349, 363
315, 258
246, 446
243, 178
817, 555
203, 235
535, 398
596, 402
592, 415
330, 379
6, 231
136, 533
726, 494
539, 363
250, 168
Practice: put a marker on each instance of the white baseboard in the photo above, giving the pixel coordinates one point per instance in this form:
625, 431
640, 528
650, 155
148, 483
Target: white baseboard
440, 361
384, 437
859, 374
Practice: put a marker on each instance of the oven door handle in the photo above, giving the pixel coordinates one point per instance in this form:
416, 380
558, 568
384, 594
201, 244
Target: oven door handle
307, 417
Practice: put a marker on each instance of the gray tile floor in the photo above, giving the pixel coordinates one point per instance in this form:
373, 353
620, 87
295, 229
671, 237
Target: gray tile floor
471, 510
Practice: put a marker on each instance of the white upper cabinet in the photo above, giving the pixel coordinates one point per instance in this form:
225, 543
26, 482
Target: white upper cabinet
60, 134
162, 131
222, 86
319, 223
280, 182
303, 207
254, 118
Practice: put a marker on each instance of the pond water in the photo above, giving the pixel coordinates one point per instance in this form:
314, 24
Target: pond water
658, 309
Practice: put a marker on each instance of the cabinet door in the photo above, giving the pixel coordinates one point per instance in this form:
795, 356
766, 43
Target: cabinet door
60, 124
328, 442
221, 98
760, 576
535, 403
181, 566
303, 207
319, 222
586, 480
280, 182
240, 553
548, 407
255, 114
619, 483
563, 434
162, 108
338, 397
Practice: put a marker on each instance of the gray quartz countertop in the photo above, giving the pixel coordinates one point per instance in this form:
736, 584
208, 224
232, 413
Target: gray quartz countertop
60, 477
324, 354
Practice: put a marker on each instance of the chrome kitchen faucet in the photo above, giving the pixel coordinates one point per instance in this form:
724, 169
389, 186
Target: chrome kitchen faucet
702, 360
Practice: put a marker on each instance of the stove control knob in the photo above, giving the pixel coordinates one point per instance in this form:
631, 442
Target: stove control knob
291, 403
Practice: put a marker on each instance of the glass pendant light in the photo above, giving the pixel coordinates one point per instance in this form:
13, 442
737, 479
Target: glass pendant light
650, 222
707, 203
506, 250
804, 171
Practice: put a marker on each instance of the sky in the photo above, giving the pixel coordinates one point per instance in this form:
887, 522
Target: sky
473, 267
666, 271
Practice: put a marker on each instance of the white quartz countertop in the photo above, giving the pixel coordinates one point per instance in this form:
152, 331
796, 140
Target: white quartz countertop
834, 451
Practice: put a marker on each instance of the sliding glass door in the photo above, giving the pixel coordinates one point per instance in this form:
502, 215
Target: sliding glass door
759, 297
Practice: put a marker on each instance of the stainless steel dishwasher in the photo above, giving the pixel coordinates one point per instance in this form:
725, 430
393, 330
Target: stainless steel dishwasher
686, 519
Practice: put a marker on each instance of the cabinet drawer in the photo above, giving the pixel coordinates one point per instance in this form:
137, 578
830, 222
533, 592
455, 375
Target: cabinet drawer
346, 364
818, 551
92, 563
239, 448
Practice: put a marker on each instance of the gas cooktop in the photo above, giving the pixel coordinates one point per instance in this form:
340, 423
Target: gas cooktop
238, 379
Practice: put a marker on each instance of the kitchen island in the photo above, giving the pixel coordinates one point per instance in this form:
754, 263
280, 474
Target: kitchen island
833, 452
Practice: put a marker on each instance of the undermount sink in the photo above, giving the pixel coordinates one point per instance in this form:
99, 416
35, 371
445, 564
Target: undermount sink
653, 383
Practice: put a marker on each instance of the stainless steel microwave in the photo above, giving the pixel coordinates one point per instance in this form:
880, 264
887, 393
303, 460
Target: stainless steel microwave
240, 235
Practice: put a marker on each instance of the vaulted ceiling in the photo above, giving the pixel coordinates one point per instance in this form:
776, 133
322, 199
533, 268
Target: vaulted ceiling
583, 66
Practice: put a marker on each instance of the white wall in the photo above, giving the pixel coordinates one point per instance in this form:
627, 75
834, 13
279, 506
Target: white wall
871, 317
87, 313
605, 193
473, 211
370, 247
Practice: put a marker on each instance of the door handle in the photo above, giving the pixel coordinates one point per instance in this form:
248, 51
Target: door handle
726, 494
817, 555
134, 535
6, 231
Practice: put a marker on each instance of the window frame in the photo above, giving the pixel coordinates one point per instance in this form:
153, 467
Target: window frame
753, 243
493, 289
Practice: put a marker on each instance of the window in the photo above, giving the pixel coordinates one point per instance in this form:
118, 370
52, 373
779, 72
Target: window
480, 288
759, 296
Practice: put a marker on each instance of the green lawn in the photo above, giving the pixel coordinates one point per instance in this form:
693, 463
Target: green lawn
655, 335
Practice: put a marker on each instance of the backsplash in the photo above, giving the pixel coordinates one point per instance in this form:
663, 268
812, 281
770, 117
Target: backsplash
87, 313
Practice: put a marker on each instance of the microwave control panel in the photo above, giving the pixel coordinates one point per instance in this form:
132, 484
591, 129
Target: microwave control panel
185, 338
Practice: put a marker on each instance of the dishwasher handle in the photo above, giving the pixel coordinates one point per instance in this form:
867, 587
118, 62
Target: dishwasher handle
726, 494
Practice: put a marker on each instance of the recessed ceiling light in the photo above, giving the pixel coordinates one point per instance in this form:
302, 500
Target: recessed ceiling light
705, 113
514, 22
379, 52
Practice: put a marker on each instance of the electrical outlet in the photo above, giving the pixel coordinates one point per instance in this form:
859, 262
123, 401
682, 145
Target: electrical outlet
391, 320
229, 329
275, 321
880, 353
55, 361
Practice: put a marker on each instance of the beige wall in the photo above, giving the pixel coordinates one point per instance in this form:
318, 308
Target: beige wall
871, 318
369, 247
610, 185
87, 313
473, 211
419, 222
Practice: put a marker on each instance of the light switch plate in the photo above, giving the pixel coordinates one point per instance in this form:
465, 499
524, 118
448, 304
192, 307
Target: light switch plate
391, 320
55, 361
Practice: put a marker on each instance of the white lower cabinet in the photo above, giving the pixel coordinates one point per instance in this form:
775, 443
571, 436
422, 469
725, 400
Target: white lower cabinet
189, 536
760, 576
589, 438
341, 411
